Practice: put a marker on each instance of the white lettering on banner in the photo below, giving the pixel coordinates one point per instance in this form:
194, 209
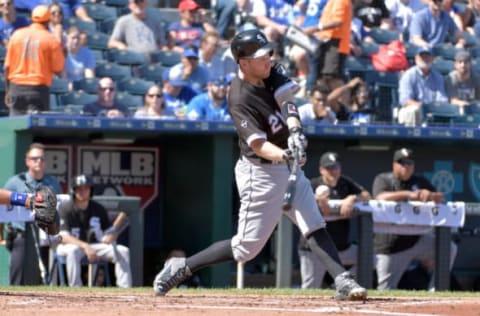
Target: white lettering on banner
451, 214
121, 170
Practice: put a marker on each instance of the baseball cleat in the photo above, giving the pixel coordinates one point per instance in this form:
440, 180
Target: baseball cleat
174, 272
348, 289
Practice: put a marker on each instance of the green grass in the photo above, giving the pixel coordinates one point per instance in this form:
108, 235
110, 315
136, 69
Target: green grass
233, 291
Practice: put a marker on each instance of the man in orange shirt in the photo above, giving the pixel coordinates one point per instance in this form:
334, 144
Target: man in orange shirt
334, 30
34, 56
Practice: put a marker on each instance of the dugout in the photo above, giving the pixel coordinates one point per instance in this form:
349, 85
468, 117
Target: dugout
189, 199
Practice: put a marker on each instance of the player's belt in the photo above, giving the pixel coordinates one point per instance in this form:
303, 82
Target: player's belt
261, 161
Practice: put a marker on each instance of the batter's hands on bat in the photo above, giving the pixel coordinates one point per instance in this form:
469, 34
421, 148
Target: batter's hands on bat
297, 144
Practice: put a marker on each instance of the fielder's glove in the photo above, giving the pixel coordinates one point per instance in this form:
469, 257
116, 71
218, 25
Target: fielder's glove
44, 206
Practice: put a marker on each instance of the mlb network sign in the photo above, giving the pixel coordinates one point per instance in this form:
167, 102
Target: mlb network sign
131, 171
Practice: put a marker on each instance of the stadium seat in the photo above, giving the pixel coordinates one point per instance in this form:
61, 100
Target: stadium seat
369, 48
83, 26
59, 87
128, 100
439, 112
98, 40
121, 6
107, 26
446, 51
444, 66
411, 51
166, 58
78, 98
383, 36
100, 12
471, 40
135, 86
115, 71
152, 72
357, 66
127, 57
3, 53
88, 85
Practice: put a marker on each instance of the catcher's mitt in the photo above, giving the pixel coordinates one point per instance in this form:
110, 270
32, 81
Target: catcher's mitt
44, 206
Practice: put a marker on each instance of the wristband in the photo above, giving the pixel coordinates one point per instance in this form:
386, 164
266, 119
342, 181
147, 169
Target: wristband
17, 198
289, 109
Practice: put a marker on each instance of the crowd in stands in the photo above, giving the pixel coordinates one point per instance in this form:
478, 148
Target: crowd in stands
184, 52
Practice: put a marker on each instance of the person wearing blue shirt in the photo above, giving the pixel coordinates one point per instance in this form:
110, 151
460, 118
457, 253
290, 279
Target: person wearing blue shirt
176, 93
211, 105
70, 7
10, 21
432, 25
80, 61
419, 84
196, 75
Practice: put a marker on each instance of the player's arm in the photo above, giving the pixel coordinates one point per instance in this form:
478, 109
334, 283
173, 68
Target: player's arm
70, 239
267, 150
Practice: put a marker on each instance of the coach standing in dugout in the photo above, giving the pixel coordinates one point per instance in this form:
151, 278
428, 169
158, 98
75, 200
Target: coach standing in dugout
33, 57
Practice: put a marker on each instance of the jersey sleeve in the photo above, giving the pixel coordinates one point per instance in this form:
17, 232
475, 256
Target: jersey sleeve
246, 123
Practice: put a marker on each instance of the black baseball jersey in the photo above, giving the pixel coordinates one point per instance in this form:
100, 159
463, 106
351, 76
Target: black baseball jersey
389, 243
255, 114
340, 229
80, 223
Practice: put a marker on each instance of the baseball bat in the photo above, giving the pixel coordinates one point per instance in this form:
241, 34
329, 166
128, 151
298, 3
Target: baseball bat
120, 220
291, 183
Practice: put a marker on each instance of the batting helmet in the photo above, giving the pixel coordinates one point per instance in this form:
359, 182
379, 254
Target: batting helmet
250, 43
79, 180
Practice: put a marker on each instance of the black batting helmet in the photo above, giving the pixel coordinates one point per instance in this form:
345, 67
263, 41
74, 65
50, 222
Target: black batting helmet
250, 43
79, 180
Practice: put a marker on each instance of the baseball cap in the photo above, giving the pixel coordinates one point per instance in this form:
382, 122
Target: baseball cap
190, 52
424, 49
188, 5
220, 81
463, 55
174, 76
403, 153
40, 14
329, 159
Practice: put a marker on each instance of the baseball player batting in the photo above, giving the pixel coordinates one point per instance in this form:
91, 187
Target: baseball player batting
270, 138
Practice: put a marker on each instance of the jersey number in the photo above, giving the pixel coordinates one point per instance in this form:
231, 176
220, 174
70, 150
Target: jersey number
276, 122
30, 49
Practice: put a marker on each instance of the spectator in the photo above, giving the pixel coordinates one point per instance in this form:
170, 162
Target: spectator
189, 30
26, 182
471, 17
373, 13
273, 17
86, 230
9, 21
196, 75
243, 16
29, 69
317, 111
419, 84
210, 105
69, 7
154, 106
463, 86
395, 252
138, 31
56, 22
455, 12
176, 92
432, 25
331, 184
224, 13
209, 56
106, 106
401, 14
80, 61
353, 102
334, 29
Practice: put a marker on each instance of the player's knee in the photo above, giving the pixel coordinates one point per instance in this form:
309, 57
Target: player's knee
243, 254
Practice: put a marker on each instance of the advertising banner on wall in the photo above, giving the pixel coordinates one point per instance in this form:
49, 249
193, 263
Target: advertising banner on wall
58, 163
131, 171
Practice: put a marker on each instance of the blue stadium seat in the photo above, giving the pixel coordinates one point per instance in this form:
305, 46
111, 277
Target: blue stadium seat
83, 26
152, 72
471, 40
100, 12
440, 112
58, 88
357, 66
135, 86
127, 57
115, 71
88, 85
384, 36
168, 15
411, 51
166, 57
121, 6
3, 53
444, 66
78, 98
97, 40
445, 50
369, 48
128, 100
107, 26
